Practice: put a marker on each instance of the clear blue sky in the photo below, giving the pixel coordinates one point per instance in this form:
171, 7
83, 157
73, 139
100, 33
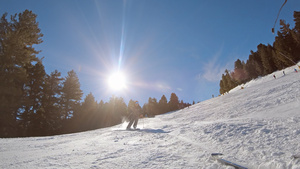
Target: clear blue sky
163, 46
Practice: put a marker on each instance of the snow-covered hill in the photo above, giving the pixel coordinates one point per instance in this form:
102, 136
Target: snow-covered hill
257, 127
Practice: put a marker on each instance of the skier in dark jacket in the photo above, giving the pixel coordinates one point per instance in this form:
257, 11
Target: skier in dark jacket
135, 112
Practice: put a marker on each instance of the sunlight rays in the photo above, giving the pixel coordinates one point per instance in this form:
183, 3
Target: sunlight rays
123, 38
117, 56
117, 81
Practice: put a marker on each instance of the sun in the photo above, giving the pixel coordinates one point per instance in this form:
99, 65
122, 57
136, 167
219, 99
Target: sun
117, 81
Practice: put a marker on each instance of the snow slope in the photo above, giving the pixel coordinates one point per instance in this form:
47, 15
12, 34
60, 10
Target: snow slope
257, 127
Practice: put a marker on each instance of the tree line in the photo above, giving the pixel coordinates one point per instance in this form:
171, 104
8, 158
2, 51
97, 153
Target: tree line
284, 52
34, 103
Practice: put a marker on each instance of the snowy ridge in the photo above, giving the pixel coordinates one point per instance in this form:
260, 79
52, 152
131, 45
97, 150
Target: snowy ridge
257, 127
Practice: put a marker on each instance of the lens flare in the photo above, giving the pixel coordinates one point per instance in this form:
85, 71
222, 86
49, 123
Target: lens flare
117, 81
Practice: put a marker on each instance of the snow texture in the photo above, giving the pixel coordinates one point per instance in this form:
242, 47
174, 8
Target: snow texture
256, 127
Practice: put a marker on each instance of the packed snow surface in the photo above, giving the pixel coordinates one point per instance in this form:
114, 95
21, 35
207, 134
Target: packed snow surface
256, 127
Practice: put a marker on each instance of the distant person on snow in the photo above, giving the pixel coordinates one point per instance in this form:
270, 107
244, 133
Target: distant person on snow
134, 114
274, 76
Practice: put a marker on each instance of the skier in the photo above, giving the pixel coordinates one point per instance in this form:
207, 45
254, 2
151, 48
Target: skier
134, 111
274, 76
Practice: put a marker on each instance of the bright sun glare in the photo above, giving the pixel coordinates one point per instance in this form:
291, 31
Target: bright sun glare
117, 81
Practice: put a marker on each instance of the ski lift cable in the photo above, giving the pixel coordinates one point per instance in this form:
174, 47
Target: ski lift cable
278, 15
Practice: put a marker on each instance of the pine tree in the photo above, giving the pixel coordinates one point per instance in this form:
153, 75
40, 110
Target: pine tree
181, 104
266, 55
17, 38
152, 107
254, 67
120, 110
51, 103
296, 35
174, 102
85, 116
114, 111
231, 83
296, 30
223, 87
258, 66
71, 94
297, 21
32, 117
227, 82
163, 105
100, 114
130, 107
286, 47
239, 74
267, 59
238, 64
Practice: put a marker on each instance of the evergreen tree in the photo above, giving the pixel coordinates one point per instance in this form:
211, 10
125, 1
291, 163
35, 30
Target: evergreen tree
287, 49
174, 102
278, 63
181, 104
71, 94
231, 83
296, 34
267, 59
17, 38
32, 117
223, 87
258, 66
227, 82
152, 107
163, 105
120, 110
51, 103
238, 64
107, 109
100, 114
145, 111
103, 114
85, 116
266, 54
114, 111
130, 107
239, 75
254, 66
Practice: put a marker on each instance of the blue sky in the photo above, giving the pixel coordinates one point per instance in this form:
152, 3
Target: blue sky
163, 46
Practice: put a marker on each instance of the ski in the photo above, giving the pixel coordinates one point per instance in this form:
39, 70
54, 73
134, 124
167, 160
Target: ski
226, 162
121, 129
136, 129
